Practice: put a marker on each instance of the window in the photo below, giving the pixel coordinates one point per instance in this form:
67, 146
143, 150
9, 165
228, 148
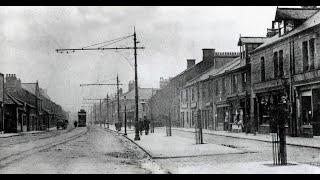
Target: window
210, 88
281, 63
186, 94
263, 77
244, 80
223, 86
216, 88
311, 52
234, 83
305, 57
275, 64
188, 117
204, 90
192, 94
181, 95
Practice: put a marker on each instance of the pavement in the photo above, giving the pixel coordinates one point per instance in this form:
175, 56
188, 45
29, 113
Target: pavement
166, 150
294, 141
6, 135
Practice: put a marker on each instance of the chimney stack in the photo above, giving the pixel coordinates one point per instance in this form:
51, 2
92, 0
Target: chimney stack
208, 54
190, 63
131, 86
12, 81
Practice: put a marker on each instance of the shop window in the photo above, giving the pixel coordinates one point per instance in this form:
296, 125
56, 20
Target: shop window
275, 64
281, 72
262, 75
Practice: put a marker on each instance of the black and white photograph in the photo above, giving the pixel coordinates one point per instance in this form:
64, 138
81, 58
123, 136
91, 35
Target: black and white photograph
159, 89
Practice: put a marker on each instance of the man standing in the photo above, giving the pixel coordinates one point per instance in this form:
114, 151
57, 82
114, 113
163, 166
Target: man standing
146, 125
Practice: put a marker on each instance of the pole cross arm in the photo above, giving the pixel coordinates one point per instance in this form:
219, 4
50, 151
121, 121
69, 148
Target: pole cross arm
95, 49
99, 84
94, 99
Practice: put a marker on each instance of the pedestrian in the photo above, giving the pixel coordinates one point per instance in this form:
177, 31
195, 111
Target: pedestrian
146, 125
141, 128
75, 124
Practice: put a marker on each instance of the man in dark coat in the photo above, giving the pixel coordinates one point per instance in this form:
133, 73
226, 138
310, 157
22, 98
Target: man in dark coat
146, 125
141, 128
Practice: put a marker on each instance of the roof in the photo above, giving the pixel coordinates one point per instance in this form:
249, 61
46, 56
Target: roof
31, 87
251, 40
8, 99
309, 23
235, 63
294, 13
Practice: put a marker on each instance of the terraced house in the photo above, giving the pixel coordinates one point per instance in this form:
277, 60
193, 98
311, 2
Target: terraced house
27, 107
287, 67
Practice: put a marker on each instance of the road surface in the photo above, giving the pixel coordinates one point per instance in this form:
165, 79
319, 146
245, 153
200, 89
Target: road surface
88, 150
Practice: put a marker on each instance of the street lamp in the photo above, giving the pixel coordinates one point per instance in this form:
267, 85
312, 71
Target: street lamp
125, 115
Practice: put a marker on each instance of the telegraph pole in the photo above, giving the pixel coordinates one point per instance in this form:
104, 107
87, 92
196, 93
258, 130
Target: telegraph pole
118, 98
100, 117
137, 137
107, 113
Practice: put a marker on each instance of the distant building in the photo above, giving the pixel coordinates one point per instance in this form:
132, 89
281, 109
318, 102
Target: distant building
163, 82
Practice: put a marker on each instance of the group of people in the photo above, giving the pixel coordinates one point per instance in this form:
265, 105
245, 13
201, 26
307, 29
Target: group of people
144, 126
141, 126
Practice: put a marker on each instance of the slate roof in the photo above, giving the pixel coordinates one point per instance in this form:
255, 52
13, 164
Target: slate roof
235, 63
8, 99
294, 13
309, 23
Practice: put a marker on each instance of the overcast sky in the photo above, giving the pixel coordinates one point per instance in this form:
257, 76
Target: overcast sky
30, 35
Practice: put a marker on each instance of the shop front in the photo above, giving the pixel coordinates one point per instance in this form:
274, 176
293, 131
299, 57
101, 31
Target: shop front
239, 117
223, 117
266, 104
308, 108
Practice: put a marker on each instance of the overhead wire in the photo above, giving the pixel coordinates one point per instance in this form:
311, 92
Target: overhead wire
107, 41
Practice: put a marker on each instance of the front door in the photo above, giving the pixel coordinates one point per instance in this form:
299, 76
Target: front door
306, 109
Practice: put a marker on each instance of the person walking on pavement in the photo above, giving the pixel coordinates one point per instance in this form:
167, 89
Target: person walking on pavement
75, 124
141, 128
146, 125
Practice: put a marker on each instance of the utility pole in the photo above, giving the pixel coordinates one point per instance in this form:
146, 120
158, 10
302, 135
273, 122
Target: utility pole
135, 65
118, 98
107, 113
105, 84
137, 137
100, 117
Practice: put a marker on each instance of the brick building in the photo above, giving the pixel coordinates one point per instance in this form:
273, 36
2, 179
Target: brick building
286, 67
24, 110
167, 100
127, 100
